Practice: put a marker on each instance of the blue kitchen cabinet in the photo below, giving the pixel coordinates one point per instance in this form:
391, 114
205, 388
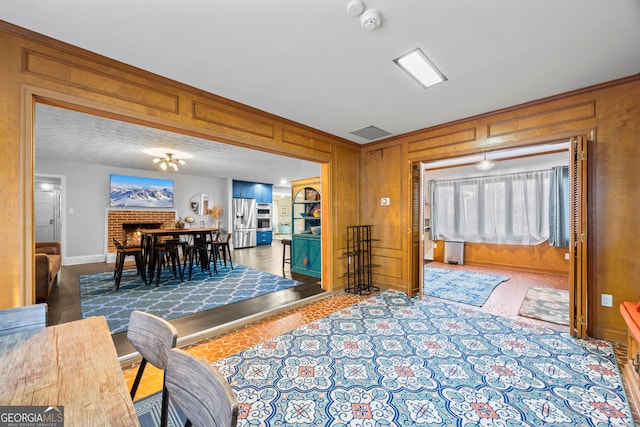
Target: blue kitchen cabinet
264, 238
243, 189
263, 193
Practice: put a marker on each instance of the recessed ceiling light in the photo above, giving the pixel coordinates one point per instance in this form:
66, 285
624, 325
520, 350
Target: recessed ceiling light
420, 68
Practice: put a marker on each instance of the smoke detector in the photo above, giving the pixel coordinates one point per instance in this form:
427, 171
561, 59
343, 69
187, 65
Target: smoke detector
370, 19
355, 7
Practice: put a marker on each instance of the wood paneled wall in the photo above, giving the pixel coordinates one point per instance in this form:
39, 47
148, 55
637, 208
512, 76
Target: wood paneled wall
540, 258
354, 178
612, 109
35, 67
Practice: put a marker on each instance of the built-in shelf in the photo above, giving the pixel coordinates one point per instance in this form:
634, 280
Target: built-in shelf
306, 230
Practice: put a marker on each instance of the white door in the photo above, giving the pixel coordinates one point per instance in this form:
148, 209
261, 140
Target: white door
45, 216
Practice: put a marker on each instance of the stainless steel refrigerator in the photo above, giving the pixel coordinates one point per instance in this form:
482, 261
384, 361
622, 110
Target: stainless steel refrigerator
244, 223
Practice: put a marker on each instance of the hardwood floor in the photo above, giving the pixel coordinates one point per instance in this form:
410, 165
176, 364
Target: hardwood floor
64, 300
507, 297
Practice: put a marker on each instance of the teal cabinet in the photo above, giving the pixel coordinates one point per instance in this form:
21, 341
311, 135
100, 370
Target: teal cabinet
306, 249
306, 255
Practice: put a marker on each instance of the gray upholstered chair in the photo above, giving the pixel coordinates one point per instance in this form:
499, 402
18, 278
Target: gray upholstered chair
202, 394
154, 338
23, 319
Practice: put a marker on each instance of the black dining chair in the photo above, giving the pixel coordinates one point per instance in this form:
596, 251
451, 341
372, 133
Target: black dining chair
169, 252
198, 252
122, 252
222, 249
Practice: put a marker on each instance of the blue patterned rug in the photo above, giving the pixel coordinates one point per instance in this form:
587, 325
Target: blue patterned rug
173, 298
459, 285
396, 361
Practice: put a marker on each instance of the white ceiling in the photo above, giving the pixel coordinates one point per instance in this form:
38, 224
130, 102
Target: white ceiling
70, 136
310, 62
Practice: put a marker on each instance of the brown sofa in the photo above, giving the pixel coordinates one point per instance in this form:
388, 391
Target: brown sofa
47, 260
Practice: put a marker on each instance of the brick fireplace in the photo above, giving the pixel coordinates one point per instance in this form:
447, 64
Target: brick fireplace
121, 225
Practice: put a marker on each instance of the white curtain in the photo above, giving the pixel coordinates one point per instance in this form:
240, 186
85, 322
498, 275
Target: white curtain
506, 209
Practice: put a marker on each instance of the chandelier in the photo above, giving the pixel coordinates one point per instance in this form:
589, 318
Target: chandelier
168, 161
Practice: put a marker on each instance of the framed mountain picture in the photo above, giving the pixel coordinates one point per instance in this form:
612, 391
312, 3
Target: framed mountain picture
136, 191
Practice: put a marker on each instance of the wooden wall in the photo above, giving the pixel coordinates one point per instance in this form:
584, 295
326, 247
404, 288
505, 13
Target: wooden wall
354, 178
34, 67
542, 258
612, 109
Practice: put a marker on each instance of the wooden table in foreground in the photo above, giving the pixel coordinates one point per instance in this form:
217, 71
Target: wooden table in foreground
74, 365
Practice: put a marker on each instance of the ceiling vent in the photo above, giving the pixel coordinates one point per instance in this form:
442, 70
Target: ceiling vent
370, 133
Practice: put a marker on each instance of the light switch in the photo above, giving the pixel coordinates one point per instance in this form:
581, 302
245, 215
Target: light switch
606, 300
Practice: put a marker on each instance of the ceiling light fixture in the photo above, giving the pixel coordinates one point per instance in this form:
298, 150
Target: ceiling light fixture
168, 161
420, 68
485, 165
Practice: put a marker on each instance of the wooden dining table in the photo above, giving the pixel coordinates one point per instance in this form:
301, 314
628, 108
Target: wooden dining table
156, 233
71, 365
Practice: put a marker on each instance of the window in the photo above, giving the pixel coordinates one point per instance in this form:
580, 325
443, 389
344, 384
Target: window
506, 209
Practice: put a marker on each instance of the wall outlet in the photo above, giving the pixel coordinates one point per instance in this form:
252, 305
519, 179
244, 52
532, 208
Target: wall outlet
606, 300
567, 256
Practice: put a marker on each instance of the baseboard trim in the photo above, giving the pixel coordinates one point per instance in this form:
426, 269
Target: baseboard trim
86, 259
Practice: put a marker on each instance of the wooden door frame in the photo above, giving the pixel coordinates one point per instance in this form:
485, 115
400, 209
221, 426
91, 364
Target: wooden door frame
582, 286
31, 95
588, 296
